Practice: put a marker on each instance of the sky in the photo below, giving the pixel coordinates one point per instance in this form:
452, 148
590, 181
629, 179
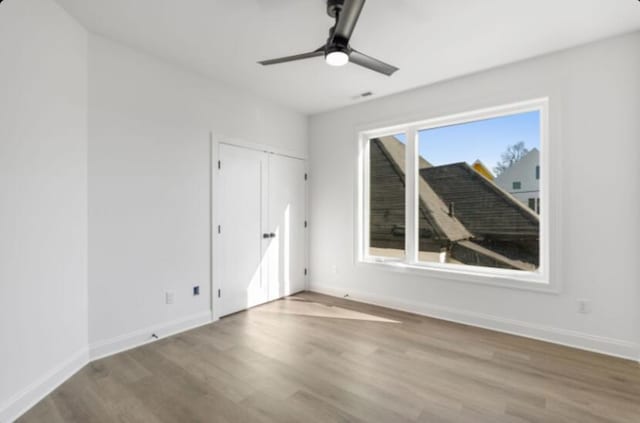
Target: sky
484, 139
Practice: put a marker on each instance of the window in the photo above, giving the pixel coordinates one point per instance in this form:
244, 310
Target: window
537, 172
436, 195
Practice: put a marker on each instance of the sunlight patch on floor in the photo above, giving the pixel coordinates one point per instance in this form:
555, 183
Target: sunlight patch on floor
312, 309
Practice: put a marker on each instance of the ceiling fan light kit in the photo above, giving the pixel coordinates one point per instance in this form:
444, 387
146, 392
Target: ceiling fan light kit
336, 50
337, 58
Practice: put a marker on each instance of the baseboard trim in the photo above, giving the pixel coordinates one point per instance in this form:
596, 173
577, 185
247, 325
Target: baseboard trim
36, 391
115, 345
584, 341
24, 400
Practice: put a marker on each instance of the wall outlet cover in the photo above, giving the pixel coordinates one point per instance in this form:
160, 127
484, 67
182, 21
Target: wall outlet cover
584, 306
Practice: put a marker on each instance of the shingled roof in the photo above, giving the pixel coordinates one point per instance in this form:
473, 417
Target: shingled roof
483, 207
432, 208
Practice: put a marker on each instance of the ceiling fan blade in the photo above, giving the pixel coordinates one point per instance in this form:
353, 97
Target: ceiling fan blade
315, 53
348, 18
371, 63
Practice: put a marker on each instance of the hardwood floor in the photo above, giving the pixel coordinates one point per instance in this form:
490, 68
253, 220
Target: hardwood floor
313, 358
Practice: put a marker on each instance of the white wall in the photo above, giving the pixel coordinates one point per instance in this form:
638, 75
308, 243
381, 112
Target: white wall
104, 171
594, 96
43, 200
149, 187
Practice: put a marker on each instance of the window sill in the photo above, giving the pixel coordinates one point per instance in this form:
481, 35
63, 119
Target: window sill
533, 281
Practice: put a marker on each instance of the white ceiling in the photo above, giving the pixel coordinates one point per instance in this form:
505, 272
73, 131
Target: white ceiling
429, 40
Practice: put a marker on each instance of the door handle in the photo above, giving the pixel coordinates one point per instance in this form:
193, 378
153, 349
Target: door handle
272, 235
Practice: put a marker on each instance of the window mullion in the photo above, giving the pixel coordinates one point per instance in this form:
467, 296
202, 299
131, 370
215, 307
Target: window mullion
411, 196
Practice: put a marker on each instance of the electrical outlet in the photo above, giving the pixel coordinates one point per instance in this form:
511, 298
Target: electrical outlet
169, 297
584, 306
334, 269
196, 290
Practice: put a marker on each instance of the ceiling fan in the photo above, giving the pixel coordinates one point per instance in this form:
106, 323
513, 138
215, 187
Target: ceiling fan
337, 51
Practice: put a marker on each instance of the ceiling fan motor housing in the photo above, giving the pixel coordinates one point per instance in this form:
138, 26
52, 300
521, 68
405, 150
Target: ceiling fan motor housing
336, 48
336, 42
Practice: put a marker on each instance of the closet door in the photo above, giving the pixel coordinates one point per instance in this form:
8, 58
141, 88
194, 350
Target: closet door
286, 251
242, 217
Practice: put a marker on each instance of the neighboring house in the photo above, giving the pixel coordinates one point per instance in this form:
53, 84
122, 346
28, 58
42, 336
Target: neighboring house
522, 180
479, 167
462, 214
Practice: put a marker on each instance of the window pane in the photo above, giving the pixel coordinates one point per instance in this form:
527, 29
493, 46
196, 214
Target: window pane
387, 196
469, 210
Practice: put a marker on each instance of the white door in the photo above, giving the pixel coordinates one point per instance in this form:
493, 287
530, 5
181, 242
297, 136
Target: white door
242, 217
262, 239
286, 251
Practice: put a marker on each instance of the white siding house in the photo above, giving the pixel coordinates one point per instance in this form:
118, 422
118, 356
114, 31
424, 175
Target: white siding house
522, 180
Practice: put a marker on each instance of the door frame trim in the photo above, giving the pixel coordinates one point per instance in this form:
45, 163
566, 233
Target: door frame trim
238, 142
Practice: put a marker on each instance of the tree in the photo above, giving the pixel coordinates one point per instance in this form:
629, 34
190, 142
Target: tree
511, 156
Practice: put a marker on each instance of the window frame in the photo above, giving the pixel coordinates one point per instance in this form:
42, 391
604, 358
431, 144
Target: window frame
538, 280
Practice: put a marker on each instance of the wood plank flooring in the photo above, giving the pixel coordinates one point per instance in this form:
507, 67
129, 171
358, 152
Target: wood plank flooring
313, 358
